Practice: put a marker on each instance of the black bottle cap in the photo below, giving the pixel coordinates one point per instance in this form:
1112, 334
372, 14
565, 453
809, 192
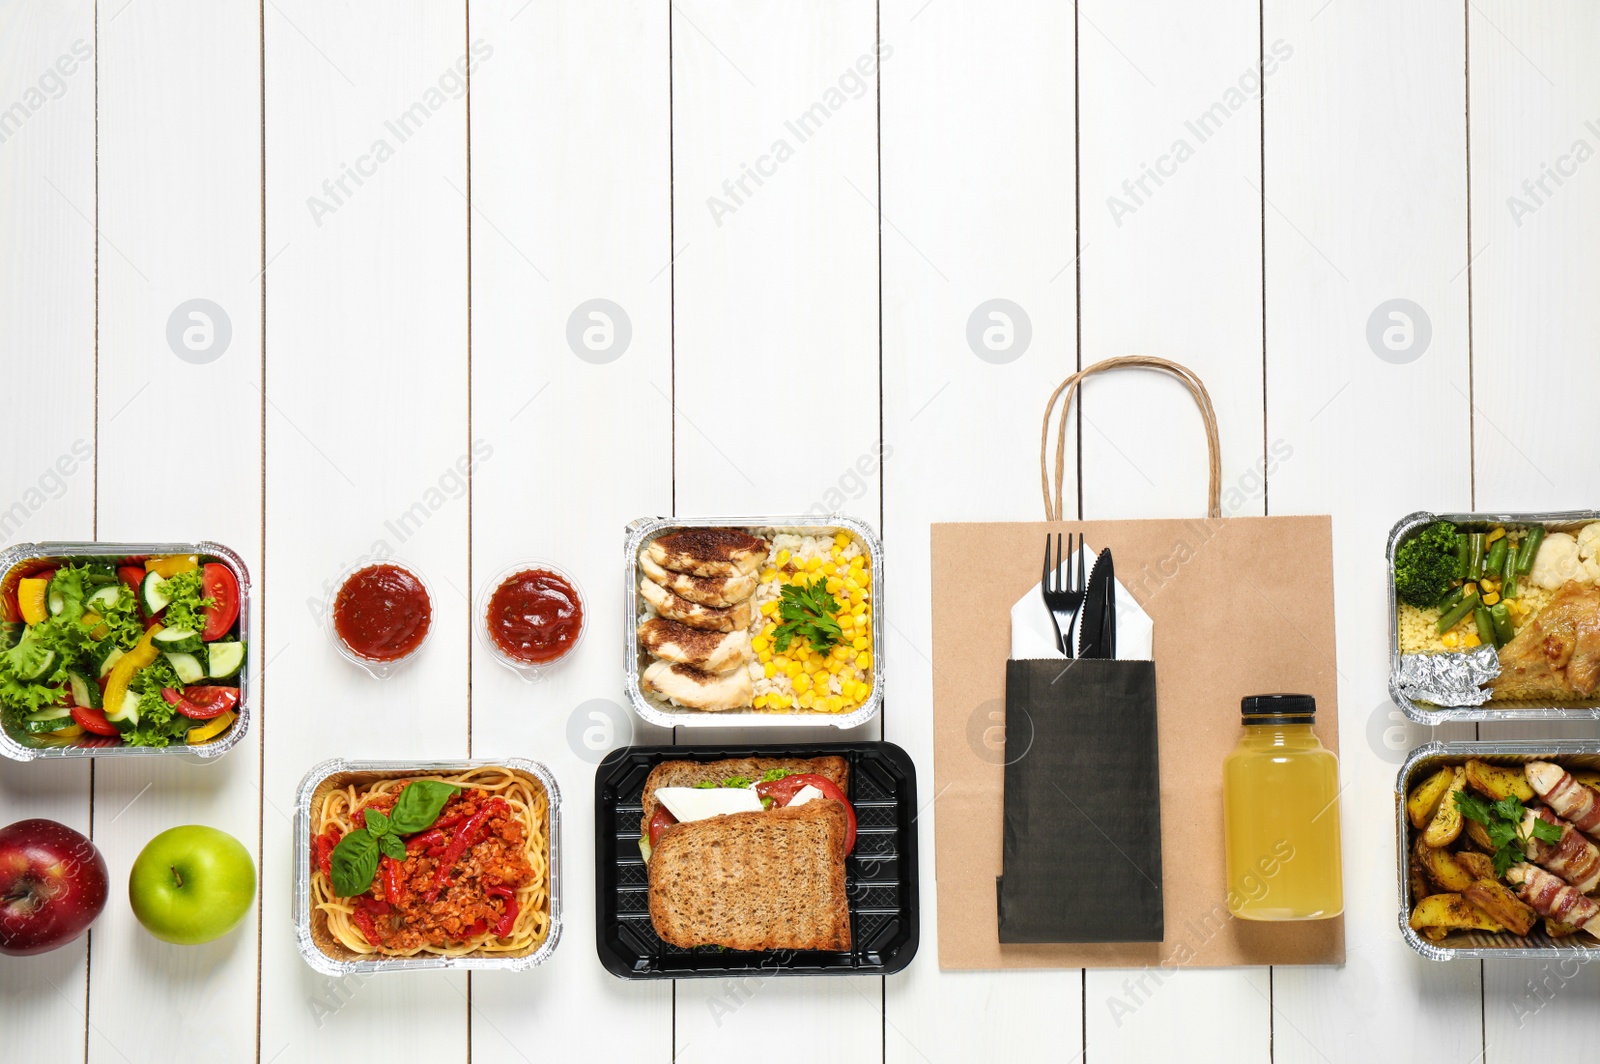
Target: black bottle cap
1278, 709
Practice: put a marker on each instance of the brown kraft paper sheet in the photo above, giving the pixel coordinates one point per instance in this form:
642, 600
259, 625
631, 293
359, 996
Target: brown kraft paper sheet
1241, 605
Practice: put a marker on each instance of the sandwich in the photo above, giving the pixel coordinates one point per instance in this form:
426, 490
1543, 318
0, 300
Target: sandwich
749, 853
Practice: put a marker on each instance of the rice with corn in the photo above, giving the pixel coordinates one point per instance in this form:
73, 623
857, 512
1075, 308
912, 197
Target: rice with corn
802, 678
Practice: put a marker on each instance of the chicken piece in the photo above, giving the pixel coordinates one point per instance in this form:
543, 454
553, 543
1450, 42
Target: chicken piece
1557, 654
708, 651
720, 591
1549, 896
699, 690
706, 618
708, 551
1572, 857
1572, 800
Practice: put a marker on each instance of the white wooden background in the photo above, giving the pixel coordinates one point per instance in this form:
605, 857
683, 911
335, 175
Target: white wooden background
415, 325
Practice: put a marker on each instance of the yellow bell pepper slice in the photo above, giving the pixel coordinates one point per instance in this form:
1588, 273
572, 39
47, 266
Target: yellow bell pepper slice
31, 596
122, 672
95, 623
212, 728
172, 565
71, 731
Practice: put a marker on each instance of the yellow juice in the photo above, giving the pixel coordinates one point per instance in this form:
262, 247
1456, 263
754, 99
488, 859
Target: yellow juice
1280, 809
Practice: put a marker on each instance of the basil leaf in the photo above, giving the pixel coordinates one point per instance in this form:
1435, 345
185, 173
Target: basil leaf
392, 847
377, 821
354, 863
419, 806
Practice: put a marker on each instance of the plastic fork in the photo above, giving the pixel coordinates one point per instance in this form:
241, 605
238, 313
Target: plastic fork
1064, 602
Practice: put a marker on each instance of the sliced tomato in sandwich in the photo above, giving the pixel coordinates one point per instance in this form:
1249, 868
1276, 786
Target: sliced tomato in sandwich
782, 792
659, 823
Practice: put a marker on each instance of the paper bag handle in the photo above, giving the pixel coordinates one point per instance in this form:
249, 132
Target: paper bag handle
1052, 508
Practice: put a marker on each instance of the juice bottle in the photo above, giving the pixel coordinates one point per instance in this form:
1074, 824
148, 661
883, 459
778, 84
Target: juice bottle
1280, 815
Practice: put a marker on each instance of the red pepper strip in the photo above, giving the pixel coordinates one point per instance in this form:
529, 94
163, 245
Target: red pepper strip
368, 928
479, 926
448, 821
325, 844
469, 834
391, 879
426, 841
502, 928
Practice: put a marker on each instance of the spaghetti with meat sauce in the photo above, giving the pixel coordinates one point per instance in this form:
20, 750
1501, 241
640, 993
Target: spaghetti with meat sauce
475, 882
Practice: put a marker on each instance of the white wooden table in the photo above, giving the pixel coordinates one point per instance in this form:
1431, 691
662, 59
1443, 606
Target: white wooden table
401, 262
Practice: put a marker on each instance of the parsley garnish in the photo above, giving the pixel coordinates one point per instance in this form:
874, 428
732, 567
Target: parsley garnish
1502, 822
808, 611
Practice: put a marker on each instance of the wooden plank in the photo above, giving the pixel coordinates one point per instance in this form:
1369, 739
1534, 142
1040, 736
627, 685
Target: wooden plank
366, 429
47, 485
961, 419
1330, 269
180, 235
1169, 168
1534, 131
581, 439
775, 390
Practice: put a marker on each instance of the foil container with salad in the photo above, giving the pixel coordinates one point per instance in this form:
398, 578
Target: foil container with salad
1495, 616
766, 622
122, 649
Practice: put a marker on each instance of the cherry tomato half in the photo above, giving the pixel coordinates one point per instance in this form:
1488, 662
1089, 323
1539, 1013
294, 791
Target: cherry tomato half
202, 703
659, 823
781, 791
93, 720
219, 585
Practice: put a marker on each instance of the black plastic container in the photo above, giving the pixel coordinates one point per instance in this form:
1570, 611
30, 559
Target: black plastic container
880, 875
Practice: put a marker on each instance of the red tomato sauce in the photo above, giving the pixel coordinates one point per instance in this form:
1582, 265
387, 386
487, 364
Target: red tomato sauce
535, 616
382, 612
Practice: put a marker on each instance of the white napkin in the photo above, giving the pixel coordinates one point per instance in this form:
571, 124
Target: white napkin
1033, 633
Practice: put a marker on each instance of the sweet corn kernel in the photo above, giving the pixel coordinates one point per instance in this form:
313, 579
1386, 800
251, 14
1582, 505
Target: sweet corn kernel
841, 652
841, 539
1470, 639
835, 703
769, 576
782, 660
770, 669
759, 701
777, 701
1471, 587
863, 661
813, 564
769, 608
858, 597
1490, 599
760, 643
847, 620
793, 670
852, 583
769, 630
857, 562
1489, 585
859, 643
834, 585
830, 569
1450, 639
802, 683
783, 558
859, 609
1496, 534
805, 700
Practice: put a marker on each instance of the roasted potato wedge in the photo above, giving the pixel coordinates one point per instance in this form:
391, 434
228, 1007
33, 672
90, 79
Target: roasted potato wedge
1557, 929
1418, 880
1424, 798
1588, 779
1478, 835
1450, 912
1478, 865
1501, 906
1441, 868
1496, 781
1445, 827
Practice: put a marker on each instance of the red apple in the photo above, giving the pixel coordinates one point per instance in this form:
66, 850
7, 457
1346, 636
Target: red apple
53, 883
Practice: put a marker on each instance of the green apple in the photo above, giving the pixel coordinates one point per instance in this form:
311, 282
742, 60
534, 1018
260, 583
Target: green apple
192, 884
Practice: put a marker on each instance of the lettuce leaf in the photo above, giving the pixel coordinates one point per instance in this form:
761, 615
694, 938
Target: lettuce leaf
67, 638
187, 608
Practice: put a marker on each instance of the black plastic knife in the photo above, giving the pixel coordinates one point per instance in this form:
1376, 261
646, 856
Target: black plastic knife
1093, 618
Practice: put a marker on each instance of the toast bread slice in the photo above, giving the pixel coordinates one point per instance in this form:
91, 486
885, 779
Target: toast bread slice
754, 881
689, 773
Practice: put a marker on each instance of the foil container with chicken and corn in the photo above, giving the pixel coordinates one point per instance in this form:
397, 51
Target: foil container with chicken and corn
1495, 616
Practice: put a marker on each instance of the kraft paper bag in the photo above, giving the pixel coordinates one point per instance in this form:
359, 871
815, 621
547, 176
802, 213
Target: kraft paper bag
1240, 606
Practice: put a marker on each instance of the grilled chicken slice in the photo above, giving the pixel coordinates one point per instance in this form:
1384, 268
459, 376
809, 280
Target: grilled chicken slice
1557, 654
682, 645
708, 551
706, 618
720, 591
1577, 803
699, 690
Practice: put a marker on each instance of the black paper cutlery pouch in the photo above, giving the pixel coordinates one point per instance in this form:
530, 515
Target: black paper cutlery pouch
1082, 848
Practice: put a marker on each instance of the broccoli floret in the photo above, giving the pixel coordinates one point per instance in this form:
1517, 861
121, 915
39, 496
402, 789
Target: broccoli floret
1425, 564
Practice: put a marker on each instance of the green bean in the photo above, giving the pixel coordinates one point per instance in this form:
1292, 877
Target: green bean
1508, 576
1495, 563
1475, 557
1458, 611
1530, 548
1485, 625
1455, 596
1500, 616
1463, 556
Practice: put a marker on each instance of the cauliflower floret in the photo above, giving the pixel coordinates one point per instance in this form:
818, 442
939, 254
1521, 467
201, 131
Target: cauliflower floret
1558, 561
1589, 541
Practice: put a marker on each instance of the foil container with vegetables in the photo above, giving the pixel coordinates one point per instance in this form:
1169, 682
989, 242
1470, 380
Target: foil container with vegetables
1495, 616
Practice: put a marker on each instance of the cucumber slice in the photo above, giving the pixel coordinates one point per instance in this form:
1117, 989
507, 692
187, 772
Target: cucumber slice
37, 665
153, 592
49, 719
178, 641
224, 660
85, 692
104, 599
188, 667
125, 717
106, 656
57, 603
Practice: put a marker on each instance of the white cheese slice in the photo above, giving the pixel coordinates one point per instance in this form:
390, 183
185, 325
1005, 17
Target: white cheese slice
803, 795
689, 804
